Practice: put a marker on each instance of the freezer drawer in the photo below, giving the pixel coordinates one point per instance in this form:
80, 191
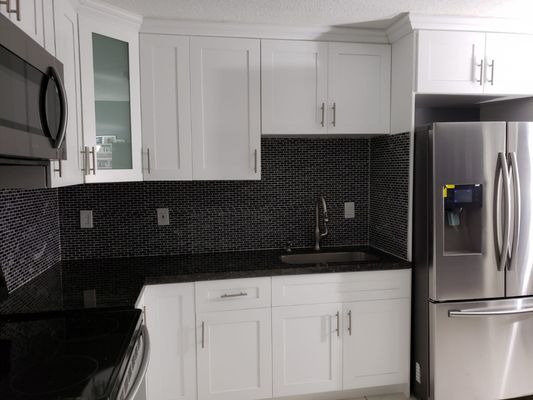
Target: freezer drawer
481, 350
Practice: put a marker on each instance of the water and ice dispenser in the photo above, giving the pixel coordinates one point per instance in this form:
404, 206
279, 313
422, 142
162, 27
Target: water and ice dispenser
462, 218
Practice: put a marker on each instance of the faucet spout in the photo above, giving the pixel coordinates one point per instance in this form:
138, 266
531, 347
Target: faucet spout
319, 235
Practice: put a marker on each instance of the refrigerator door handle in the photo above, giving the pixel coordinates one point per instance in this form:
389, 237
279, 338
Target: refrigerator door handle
507, 225
480, 313
517, 208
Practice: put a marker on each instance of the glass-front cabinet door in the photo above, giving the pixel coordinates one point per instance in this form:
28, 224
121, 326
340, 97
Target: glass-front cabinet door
109, 55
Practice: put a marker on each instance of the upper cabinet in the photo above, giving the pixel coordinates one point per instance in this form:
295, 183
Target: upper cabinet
319, 87
69, 171
166, 111
109, 57
455, 62
225, 108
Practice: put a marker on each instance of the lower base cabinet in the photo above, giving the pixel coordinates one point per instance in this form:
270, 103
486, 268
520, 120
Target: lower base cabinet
170, 319
234, 355
376, 343
306, 349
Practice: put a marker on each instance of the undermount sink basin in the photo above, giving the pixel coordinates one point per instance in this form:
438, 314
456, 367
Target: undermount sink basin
329, 257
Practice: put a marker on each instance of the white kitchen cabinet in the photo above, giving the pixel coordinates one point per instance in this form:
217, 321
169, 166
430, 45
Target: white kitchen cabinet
67, 51
450, 62
28, 16
307, 343
376, 343
49, 29
109, 59
508, 60
170, 320
325, 88
165, 102
234, 355
294, 87
225, 108
359, 88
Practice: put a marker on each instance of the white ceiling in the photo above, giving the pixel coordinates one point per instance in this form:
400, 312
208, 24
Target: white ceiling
320, 12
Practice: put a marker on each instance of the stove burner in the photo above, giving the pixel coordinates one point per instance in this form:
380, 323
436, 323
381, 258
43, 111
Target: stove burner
90, 328
55, 375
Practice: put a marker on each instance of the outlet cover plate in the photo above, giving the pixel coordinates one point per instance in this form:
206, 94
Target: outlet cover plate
349, 210
86, 219
163, 217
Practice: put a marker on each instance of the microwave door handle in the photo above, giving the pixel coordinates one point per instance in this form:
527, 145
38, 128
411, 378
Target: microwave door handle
64, 107
144, 364
517, 208
507, 214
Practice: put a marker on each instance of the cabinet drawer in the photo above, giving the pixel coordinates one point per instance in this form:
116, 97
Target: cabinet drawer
233, 294
341, 287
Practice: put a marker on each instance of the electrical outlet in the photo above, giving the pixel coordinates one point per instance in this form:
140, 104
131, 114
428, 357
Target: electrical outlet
86, 219
162, 216
349, 210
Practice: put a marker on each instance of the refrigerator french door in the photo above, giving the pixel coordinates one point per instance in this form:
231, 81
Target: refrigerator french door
473, 319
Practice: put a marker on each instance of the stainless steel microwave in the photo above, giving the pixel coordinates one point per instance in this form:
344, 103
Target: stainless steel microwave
33, 104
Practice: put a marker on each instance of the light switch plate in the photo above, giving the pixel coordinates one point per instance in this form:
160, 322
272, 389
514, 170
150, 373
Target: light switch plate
162, 216
86, 219
349, 210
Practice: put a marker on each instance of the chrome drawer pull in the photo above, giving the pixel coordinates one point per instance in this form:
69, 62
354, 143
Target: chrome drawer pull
338, 323
226, 295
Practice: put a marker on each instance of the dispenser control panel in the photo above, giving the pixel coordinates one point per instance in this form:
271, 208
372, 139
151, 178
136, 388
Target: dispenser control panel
462, 196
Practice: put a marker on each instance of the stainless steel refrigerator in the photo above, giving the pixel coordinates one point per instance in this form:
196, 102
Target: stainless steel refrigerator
473, 261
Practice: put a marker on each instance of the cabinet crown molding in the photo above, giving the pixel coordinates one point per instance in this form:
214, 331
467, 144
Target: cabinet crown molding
412, 22
320, 33
102, 9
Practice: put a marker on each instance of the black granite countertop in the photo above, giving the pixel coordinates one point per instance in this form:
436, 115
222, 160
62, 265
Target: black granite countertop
117, 282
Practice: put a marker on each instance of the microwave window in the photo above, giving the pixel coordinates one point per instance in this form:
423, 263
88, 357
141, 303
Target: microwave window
20, 85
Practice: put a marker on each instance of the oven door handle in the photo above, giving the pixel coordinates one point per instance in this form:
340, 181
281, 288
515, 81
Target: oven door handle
144, 365
63, 113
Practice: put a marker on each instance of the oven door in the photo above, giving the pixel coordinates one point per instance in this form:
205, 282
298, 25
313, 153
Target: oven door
33, 105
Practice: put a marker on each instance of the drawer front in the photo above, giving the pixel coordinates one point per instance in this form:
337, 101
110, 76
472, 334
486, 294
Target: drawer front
233, 294
341, 287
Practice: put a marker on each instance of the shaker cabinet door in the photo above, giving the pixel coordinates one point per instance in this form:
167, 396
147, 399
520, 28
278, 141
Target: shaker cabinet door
69, 171
234, 355
450, 62
166, 112
170, 321
376, 343
508, 63
225, 108
294, 87
306, 349
359, 88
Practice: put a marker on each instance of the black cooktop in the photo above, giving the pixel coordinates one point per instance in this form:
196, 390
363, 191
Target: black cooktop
65, 355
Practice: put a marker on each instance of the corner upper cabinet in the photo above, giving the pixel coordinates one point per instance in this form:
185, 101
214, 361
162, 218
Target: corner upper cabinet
359, 88
109, 59
294, 87
450, 62
28, 16
165, 102
69, 171
225, 108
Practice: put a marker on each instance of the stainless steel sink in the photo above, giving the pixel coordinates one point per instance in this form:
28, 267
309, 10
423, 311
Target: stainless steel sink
327, 257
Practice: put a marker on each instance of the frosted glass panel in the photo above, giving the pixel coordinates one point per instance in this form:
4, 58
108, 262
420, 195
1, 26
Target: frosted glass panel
112, 103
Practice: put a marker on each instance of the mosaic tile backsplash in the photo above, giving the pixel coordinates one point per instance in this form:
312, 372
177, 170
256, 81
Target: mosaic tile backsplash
29, 232
210, 216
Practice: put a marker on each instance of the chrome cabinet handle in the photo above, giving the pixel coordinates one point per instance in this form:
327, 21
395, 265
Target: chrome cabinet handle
203, 334
474, 313
227, 295
148, 167
517, 207
9, 10
255, 161
86, 163
491, 66
59, 168
93, 152
350, 322
338, 316
322, 110
334, 108
480, 80
507, 226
